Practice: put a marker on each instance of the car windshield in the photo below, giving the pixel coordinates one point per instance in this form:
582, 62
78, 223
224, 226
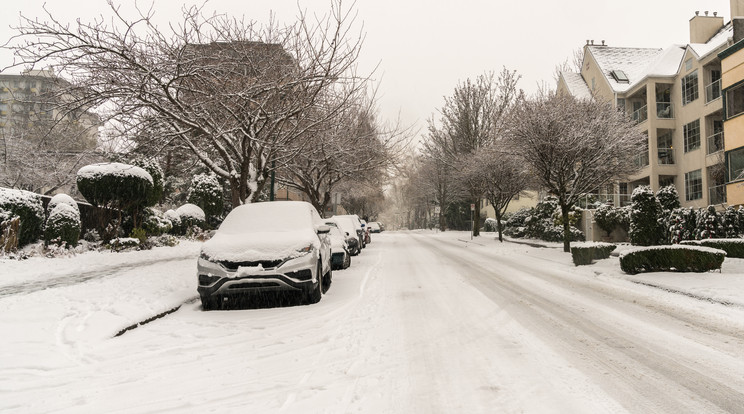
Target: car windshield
278, 216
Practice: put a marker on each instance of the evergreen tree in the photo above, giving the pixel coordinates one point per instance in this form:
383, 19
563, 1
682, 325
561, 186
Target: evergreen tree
709, 224
645, 215
731, 223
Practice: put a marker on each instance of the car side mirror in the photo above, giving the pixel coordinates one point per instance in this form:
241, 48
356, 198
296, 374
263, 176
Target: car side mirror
323, 229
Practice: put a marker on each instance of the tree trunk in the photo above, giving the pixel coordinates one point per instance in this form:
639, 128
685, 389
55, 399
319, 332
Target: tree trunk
476, 220
566, 228
499, 226
442, 219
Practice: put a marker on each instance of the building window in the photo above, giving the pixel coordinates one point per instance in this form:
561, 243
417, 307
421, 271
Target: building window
693, 185
734, 101
689, 88
735, 163
692, 136
688, 64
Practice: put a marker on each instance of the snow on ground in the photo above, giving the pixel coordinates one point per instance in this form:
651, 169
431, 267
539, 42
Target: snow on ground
399, 331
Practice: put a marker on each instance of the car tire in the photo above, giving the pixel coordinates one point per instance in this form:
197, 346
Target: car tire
327, 280
210, 302
316, 291
347, 261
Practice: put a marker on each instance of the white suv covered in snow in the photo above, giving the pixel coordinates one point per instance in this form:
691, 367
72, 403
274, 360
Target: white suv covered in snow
271, 246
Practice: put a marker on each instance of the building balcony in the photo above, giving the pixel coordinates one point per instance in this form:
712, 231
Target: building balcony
664, 110
640, 115
717, 194
713, 91
592, 200
715, 143
666, 156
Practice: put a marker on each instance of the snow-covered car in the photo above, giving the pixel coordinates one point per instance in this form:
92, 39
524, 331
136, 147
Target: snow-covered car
347, 226
358, 227
374, 227
340, 256
271, 246
365, 227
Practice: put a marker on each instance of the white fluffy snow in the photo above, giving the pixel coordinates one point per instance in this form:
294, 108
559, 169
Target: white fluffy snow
422, 322
189, 211
114, 168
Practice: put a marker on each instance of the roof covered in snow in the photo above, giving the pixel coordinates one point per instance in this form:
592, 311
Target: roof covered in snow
576, 85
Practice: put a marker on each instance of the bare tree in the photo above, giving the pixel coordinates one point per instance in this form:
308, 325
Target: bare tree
503, 176
471, 119
573, 146
230, 91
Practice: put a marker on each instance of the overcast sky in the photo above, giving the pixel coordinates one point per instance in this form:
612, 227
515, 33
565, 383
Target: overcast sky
424, 47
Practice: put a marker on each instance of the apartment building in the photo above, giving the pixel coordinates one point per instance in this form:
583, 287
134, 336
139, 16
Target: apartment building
732, 83
31, 99
674, 94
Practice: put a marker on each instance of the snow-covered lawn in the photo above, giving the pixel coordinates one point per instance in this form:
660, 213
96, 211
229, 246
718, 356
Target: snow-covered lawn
402, 330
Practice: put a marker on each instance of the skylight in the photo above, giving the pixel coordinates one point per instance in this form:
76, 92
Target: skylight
619, 76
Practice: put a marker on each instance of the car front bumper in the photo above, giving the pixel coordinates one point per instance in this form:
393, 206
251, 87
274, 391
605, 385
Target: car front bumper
296, 274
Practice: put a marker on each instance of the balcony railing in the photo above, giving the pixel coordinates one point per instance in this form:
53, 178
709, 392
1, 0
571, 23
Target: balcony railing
640, 115
717, 194
715, 143
666, 156
641, 160
713, 91
593, 200
664, 110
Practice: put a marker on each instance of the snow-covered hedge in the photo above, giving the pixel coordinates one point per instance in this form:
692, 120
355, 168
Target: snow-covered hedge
543, 222
29, 208
584, 253
189, 215
114, 184
732, 247
62, 199
62, 226
678, 258
155, 222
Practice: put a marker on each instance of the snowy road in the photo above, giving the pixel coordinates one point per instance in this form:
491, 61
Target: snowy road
421, 323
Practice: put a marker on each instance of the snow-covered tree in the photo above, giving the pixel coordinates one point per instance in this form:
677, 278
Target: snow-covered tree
645, 224
472, 117
573, 146
668, 197
232, 92
682, 224
731, 223
206, 192
709, 224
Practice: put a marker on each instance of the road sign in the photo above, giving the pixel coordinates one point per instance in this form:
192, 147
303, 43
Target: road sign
472, 207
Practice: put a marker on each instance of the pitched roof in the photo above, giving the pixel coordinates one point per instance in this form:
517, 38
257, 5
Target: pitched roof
576, 85
632, 61
719, 39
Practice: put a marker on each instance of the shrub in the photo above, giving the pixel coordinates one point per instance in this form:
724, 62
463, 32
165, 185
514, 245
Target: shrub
668, 197
29, 208
646, 228
584, 253
732, 247
731, 223
155, 223
608, 218
123, 243
189, 215
682, 224
62, 226
542, 222
62, 199
709, 224
158, 182
672, 258
490, 225
9, 230
206, 192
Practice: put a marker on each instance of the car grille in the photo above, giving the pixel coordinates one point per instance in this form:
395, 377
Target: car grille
266, 264
253, 285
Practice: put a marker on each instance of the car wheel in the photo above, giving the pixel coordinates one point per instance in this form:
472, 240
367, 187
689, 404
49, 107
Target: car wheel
316, 291
327, 280
347, 261
210, 302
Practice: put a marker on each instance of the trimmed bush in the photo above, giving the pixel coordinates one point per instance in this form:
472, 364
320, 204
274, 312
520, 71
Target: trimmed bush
62, 199
675, 258
29, 208
646, 224
155, 223
158, 181
189, 215
732, 247
62, 226
206, 192
584, 253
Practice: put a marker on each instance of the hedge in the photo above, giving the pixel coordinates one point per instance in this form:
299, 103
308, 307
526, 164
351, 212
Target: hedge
62, 226
732, 247
671, 258
29, 208
584, 253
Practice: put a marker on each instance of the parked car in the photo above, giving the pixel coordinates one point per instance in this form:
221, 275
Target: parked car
374, 227
270, 246
346, 225
359, 229
340, 256
365, 227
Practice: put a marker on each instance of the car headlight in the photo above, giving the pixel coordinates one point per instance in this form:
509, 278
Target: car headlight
305, 250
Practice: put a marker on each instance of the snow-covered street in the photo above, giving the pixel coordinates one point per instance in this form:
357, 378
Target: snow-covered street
422, 322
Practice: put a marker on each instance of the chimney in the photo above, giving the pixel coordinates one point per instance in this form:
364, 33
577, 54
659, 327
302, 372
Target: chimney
702, 28
738, 23
737, 8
